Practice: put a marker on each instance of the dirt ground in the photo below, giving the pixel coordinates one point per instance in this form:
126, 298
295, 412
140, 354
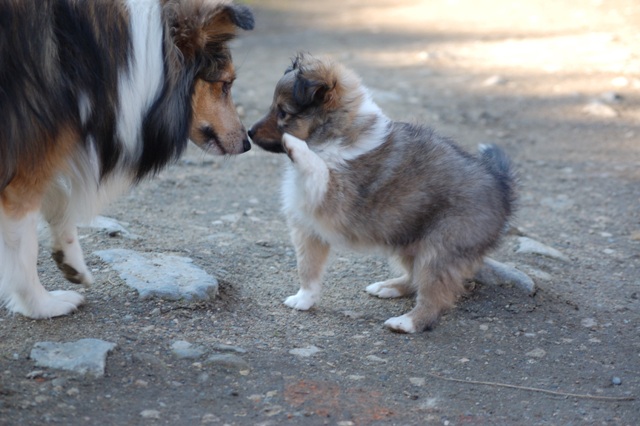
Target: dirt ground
556, 83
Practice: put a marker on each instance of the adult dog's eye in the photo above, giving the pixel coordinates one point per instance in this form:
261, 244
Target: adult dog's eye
226, 88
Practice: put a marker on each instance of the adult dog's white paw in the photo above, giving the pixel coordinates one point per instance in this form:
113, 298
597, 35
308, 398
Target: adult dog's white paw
382, 291
401, 324
53, 304
302, 300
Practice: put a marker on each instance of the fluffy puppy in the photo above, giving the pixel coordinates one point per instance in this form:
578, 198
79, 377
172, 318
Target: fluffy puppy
360, 180
95, 96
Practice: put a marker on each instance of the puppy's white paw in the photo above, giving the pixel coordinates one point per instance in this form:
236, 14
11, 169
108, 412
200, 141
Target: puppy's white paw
382, 291
401, 324
302, 300
52, 304
293, 145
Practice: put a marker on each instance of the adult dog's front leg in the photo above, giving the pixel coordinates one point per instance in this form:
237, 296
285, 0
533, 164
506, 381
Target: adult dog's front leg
311, 254
66, 250
20, 287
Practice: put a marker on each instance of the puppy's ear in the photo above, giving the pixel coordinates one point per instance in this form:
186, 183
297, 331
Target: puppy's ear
309, 93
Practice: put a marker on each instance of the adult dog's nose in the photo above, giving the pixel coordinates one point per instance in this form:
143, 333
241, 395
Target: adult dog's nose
246, 145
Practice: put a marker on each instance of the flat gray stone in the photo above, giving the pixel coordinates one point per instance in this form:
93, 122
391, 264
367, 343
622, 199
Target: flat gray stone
84, 357
184, 349
496, 273
305, 352
527, 245
160, 275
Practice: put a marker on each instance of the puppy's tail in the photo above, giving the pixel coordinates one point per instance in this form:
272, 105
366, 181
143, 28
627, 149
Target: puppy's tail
499, 165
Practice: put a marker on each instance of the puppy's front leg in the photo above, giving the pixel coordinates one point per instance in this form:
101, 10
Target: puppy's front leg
312, 169
311, 254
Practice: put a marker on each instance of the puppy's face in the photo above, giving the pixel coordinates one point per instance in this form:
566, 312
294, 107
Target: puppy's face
312, 101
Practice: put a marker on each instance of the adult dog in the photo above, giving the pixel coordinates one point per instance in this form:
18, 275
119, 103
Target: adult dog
360, 180
95, 96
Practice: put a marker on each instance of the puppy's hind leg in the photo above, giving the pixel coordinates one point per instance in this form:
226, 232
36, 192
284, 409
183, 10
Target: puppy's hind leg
66, 251
20, 287
395, 287
440, 281
311, 254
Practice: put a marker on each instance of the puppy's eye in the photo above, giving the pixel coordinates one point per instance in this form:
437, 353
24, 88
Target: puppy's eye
281, 114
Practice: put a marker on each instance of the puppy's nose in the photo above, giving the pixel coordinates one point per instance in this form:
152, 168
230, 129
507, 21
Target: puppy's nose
251, 133
246, 146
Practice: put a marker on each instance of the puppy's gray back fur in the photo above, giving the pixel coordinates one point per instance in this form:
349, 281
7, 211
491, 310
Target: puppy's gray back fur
420, 187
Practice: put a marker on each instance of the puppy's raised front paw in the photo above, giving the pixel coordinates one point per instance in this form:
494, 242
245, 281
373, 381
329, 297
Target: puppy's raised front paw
383, 291
302, 300
401, 324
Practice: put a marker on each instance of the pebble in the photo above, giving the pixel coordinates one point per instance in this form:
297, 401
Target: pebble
111, 227
616, 381
229, 361
417, 381
150, 414
305, 352
589, 322
495, 80
537, 353
495, 273
527, 245
376, 359
599, 109
183, 349
160, 275
84, 357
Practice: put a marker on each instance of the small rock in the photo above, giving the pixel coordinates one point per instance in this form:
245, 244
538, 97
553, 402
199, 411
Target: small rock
616, 381
599, 109
355, 377
228, 361
536, 353
183, 349
495, 80
35, 374
161, 275
417, 381
589, 322
531, 246
496, 273
111, 227
210, 418
85, 356
305, 352
376, 359
150, 414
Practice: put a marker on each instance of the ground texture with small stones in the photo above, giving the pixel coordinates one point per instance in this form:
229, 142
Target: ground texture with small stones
557, 84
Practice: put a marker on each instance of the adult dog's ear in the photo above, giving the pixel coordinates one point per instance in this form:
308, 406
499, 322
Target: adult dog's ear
241, 16
194, 25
